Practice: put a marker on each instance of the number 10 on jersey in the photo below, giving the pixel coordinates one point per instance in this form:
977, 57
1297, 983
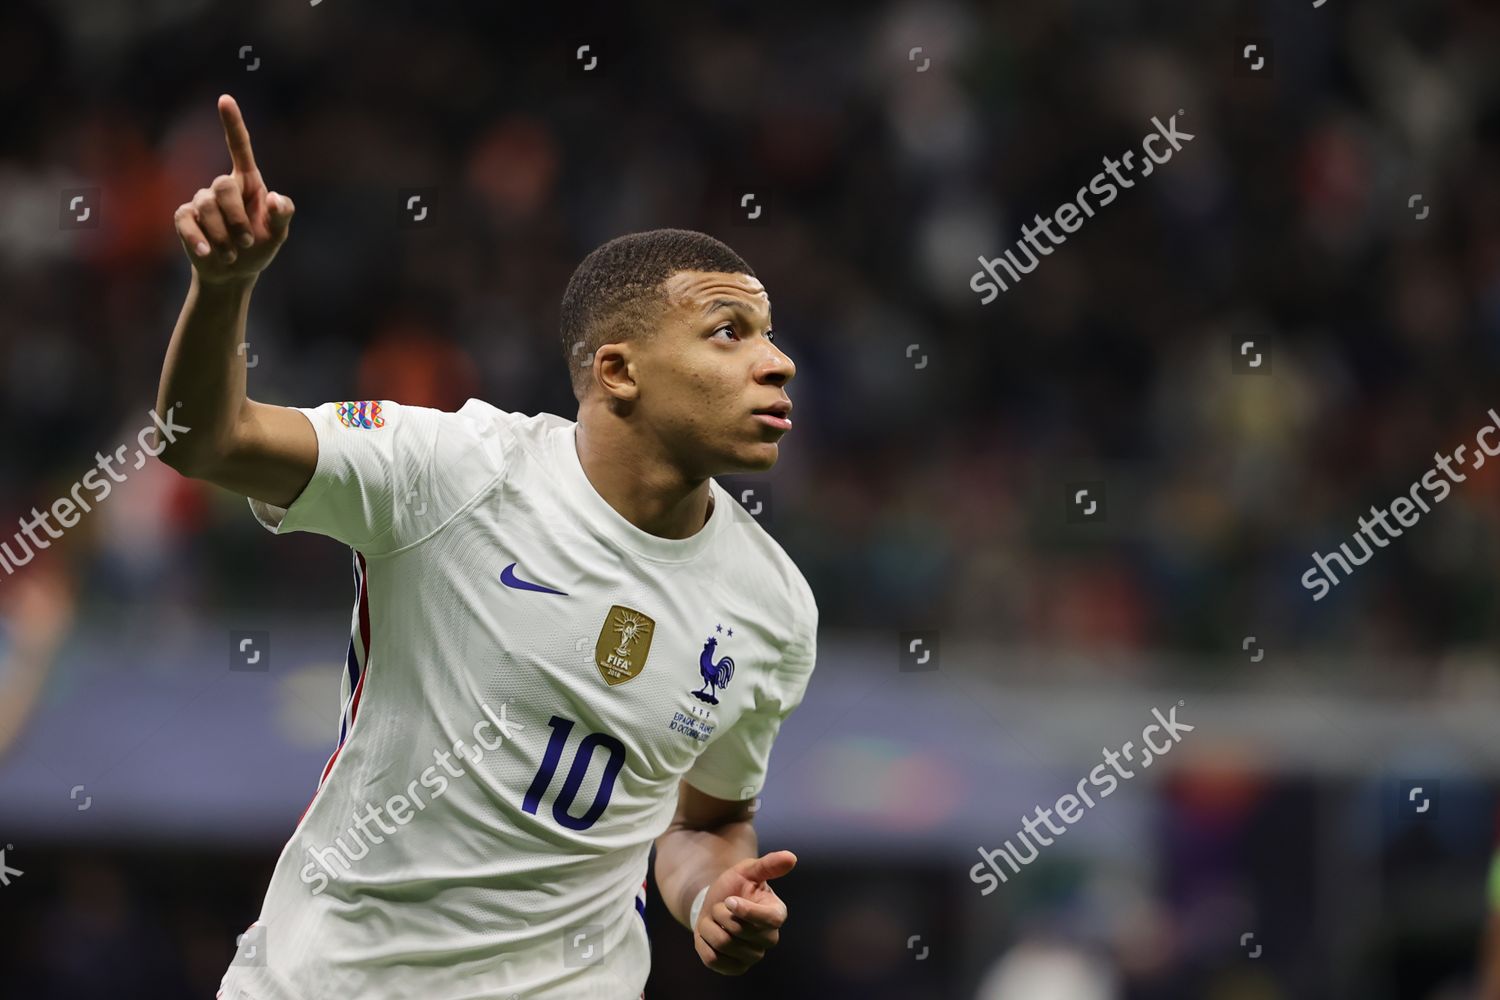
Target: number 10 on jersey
583, 756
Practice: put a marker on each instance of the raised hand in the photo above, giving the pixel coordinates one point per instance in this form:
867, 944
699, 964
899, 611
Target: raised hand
232, 229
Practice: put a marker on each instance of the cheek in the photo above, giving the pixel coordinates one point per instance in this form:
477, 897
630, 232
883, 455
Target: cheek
684, 402
699, 393
710, 387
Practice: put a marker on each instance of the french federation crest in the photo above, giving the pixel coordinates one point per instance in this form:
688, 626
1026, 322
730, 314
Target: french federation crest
716, 674
623, 645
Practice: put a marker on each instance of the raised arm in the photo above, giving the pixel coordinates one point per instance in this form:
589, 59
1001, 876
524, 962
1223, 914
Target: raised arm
231, 231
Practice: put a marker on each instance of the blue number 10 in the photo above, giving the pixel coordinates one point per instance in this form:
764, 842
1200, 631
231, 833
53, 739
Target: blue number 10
582, 757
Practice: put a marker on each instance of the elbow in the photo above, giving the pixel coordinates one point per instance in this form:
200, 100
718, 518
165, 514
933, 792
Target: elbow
193, 463
196, 456
176, 459
198, 450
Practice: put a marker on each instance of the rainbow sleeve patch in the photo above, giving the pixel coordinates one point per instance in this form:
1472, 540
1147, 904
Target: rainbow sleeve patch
363, 414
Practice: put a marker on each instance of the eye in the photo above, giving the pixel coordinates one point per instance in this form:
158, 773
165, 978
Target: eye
729, 329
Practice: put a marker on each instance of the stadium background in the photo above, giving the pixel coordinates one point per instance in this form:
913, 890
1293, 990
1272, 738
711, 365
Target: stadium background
925, 488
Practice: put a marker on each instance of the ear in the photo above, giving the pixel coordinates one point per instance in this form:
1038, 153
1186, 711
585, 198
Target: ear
615, 370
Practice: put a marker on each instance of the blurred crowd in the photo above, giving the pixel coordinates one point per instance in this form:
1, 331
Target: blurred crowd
927, 480
1338, 208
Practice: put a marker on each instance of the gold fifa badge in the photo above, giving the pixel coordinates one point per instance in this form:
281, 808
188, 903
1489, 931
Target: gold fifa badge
624, 642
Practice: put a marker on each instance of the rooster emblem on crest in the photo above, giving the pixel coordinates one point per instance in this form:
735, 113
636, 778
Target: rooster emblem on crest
715, 675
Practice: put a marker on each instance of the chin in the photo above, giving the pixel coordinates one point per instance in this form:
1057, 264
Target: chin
759, 457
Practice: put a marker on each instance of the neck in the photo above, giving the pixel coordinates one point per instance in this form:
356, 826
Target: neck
640, 481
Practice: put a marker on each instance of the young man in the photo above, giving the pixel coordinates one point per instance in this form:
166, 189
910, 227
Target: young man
568, 640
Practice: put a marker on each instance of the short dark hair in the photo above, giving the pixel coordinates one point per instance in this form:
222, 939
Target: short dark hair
615, 294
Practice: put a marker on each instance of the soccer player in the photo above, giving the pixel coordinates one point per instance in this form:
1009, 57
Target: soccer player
568, 640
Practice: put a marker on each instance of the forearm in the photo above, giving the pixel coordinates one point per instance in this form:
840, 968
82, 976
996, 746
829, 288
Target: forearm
203, 375
689, 859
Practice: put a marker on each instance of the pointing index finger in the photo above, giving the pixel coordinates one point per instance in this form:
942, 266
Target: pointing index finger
236, 135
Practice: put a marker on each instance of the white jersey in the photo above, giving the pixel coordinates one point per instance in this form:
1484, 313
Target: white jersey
529, 677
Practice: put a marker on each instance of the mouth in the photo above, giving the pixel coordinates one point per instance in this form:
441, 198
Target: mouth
775, 416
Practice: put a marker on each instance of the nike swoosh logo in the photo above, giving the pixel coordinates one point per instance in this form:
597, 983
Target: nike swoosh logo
509, 578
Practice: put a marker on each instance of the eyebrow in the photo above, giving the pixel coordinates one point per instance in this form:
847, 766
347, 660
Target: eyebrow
734, 305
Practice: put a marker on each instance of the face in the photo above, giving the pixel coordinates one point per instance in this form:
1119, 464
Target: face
711, 365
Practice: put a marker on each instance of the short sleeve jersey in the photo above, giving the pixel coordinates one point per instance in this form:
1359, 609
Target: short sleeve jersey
529, 676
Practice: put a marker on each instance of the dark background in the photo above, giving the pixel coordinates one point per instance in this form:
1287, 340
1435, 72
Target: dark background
916, 497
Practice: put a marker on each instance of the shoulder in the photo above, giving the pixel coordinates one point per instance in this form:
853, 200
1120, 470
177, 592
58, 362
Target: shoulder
484, 418
509, 428
495, 436
765, 568
449, 459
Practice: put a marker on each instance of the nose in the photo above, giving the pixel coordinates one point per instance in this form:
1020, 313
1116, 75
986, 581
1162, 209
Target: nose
776, 368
